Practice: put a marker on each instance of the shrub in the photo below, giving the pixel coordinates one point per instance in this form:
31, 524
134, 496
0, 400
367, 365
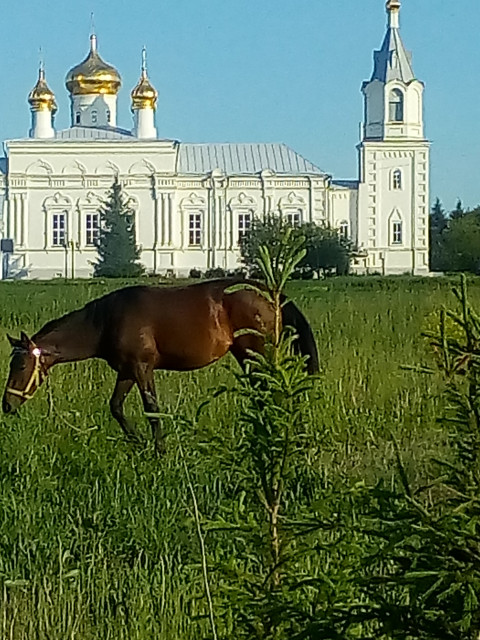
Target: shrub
215, 272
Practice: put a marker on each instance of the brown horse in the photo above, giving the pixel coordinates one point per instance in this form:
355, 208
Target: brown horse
139, 329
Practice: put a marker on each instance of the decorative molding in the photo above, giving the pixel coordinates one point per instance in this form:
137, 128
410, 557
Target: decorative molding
132, 201
395, 216
298, 184
243, 201
39, 167
57, 201
267, 173
92, 201
193, 201
142, 167
396, 154
236, 184
74, 168
197, 184
165, 182
217, 174
293, 200
108, 168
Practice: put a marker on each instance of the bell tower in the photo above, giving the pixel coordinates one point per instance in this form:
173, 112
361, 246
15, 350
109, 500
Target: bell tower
393, 161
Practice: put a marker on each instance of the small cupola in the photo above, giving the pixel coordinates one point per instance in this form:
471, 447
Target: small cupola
144, 102
43, 107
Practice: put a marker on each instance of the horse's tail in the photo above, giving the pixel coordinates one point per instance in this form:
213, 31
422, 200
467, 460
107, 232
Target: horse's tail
305, 342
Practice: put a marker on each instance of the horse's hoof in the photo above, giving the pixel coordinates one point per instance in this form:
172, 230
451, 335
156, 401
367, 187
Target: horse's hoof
133, 438
160, 448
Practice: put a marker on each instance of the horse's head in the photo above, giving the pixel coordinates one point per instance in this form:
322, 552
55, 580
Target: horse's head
28, 370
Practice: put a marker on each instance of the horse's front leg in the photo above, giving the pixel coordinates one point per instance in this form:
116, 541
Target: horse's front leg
120, 392
146, 385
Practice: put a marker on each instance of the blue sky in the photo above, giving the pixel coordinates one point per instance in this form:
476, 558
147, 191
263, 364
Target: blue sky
271, 71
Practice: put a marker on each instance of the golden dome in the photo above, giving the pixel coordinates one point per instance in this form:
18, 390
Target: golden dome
93, 75
144, 95
41, 97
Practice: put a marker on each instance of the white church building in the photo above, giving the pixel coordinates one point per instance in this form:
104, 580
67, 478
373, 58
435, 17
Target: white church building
193, 202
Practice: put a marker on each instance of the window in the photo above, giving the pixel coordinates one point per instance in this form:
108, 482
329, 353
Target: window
92, 226
294, 218
94, 117
343, 230
397, 233
397, 179
109, 115
244, 222
58, 228
195, 229
77, 117
396, 106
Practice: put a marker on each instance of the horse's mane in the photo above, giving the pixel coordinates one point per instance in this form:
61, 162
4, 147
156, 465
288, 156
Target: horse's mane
91, 313
94, 312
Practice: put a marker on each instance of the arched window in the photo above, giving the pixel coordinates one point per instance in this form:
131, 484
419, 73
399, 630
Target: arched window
343, 230
109, 115
396, 105
94, 117
77, 117
397, 232
397, 179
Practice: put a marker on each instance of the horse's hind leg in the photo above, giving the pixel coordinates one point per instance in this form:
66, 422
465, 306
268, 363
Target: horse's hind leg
146, 385
242, 346
120, 392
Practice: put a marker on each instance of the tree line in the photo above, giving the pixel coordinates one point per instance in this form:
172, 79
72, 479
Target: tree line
455, 239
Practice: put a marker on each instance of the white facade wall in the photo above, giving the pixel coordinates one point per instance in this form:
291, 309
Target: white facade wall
73, 177
381, 205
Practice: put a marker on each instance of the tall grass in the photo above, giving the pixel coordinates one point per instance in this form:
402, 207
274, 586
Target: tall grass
98, 539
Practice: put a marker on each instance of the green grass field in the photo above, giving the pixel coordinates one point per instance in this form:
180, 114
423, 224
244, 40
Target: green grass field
97, 538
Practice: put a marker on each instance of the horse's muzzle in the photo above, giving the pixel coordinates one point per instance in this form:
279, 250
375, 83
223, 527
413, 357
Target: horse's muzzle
6, 406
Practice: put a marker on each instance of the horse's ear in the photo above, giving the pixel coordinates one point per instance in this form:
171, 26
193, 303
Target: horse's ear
25, 340
15, 343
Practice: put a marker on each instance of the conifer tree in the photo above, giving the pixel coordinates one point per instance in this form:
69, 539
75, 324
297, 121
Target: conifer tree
438, 217
117, 252
458, 212
438, 226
